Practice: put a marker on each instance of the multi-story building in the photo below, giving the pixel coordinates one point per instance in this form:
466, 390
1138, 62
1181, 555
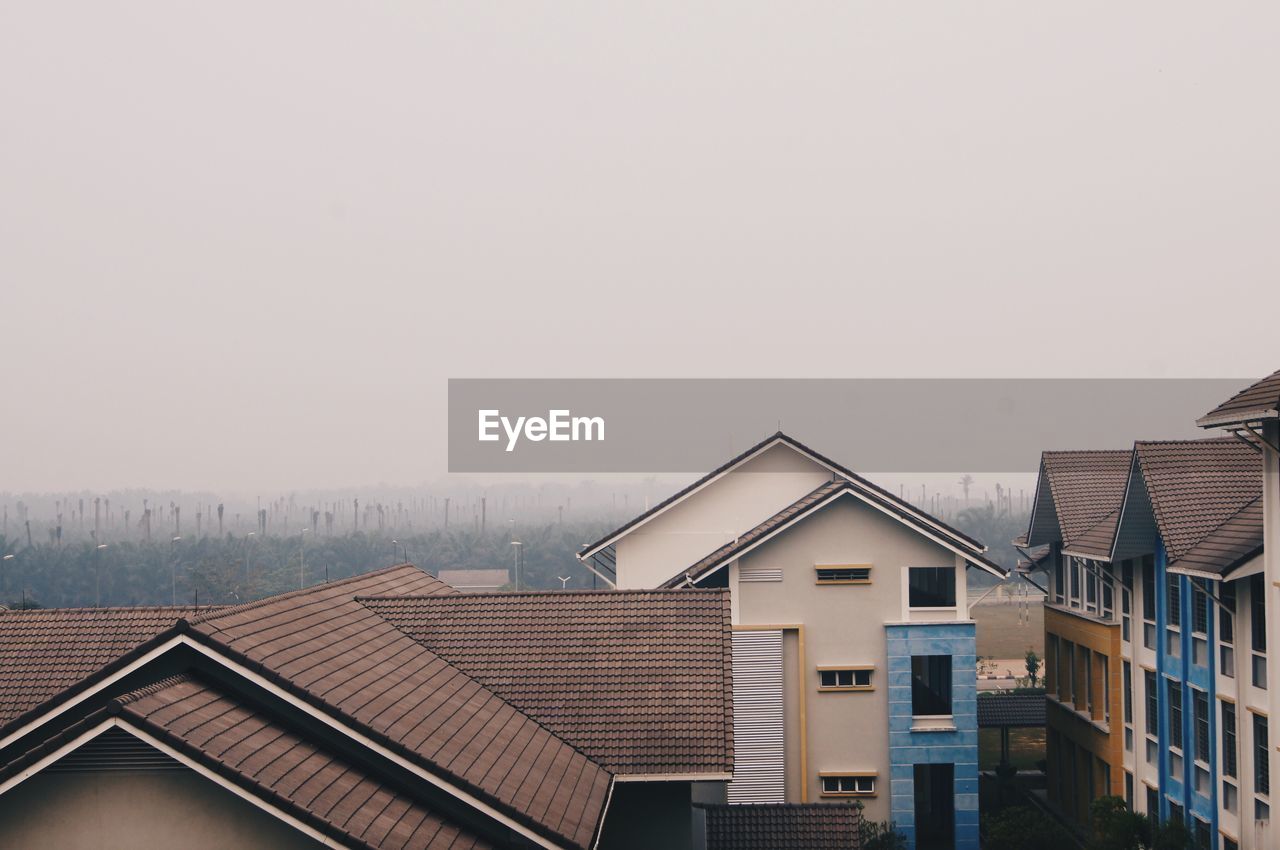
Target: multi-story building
1074, 515
854, 653
1176, 631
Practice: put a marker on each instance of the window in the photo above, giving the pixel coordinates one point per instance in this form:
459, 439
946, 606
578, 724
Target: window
1200, 706
844, 574
930, 685
1149, 589
1059, 588
848, 784
1104, 669
1153, 703
1261, 811
1227, 629
1071, 673
1128, 790
1176, 812
1153, 803
1074, 568
1201, 834
1127, 668
1175, 714
1229, 844
1258, 608
844, 678
1261, 756
1090, 588
1199, 612
1230, 796
932, 587
1230, 761
1087, 657
1175, 600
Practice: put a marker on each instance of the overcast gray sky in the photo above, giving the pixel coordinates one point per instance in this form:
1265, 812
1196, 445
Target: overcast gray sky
243, 245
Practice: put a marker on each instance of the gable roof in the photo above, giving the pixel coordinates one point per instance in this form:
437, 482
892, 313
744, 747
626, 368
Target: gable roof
922, 518
1194, 486
806, 506
1084, 491
640, 681
784, 826
1258, 401
46, 651
333, 653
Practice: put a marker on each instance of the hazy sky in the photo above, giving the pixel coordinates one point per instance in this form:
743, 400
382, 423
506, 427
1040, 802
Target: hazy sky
245, 244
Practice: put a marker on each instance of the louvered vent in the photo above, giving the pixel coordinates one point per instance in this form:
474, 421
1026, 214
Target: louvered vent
114, 749
758, 769
759, 574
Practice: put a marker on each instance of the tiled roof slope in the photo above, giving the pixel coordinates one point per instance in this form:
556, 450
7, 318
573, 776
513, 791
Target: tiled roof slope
1256, 401
1096, 542
637, 680
1087, 488
341, 657
784, 826
1012, 710
811, 501
254, 751
45, 651
1228, 546
1196, 485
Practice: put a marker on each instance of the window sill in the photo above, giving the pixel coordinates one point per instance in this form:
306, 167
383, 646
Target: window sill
933, 723
854, 690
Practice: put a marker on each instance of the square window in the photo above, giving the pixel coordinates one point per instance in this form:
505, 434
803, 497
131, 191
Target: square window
931, 587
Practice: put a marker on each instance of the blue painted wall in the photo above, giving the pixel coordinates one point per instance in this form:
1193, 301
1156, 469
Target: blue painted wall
959, 747
1179, 786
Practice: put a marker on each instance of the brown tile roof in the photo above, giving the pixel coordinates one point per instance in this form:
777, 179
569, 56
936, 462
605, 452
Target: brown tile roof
43, 652
811, 501
1237, 540
1255, 402
637, 680
332, 652
318, 787
784, 826
1011, 710
1087, 488
1197, 485
880, 494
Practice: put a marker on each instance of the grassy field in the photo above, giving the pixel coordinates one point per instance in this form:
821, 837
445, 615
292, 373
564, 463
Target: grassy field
1008, 631
1026, 748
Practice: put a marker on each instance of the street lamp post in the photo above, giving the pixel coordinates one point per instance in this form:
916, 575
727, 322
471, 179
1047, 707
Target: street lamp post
20, 581
173, 566
517, 546
247, 550
302, 557
97, 574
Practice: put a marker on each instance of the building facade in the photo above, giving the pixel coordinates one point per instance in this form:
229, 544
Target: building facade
854, 654
1179, 622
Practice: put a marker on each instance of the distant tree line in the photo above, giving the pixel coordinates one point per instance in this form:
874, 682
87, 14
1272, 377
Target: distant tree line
230, 568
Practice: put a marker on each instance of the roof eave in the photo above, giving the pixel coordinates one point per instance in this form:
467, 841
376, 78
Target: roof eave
1225, 420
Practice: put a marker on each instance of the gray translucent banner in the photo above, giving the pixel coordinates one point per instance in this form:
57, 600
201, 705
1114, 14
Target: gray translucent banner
869, 425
